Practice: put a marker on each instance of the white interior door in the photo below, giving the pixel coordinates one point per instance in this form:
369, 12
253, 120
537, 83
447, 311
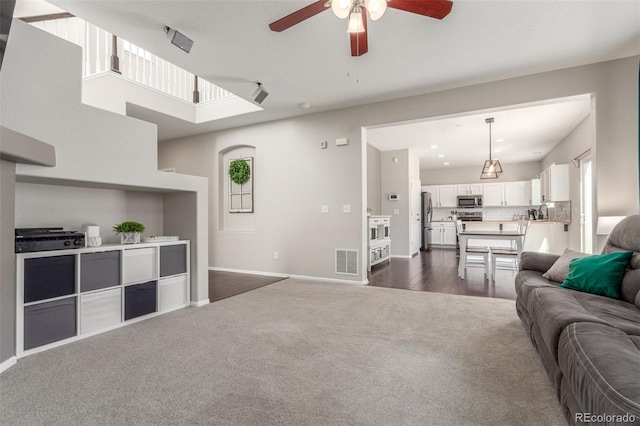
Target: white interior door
415, 222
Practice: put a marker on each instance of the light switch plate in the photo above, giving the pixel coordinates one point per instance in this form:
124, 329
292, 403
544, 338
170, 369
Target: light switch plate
346, 208
396, 211
324, 208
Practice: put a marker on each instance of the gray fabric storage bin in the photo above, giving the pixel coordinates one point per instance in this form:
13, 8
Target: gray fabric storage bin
99, 270
49, 277
49, 322
140, 299
173, 260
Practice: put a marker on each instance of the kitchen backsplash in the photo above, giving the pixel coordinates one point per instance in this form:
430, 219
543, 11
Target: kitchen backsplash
559, 211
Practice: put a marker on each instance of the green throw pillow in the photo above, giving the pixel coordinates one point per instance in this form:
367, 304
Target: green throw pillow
600, 274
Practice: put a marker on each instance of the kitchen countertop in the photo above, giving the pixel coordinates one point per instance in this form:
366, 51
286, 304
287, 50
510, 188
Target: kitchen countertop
547, 222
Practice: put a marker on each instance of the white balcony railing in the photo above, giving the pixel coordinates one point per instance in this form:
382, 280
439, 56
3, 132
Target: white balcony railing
135, 63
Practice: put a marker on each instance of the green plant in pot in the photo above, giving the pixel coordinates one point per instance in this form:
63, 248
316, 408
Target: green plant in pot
129, 232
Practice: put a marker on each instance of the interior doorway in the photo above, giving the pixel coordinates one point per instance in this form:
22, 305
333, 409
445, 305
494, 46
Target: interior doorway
415, 220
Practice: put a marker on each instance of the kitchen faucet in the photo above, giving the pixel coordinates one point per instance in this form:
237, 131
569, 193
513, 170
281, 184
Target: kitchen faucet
540, 215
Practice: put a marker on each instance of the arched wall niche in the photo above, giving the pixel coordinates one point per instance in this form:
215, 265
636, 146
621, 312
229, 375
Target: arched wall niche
228, 221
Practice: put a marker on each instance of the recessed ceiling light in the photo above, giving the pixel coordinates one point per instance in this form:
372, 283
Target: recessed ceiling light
434, 146
499, 140
446, 164
305, 105
498, 150
440, 155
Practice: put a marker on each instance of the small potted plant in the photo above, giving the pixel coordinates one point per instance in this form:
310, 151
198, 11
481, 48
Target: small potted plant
129, 232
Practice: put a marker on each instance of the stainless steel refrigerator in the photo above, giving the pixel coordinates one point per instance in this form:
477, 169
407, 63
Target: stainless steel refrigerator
427, 215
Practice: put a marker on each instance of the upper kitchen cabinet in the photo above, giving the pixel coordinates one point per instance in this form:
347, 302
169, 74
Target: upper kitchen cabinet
554, 183
442, 195
469, 189
506, 194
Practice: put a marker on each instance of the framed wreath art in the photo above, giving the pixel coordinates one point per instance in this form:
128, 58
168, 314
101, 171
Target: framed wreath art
241, 185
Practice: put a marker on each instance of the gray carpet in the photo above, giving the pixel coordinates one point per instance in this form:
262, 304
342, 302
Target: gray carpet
295, 353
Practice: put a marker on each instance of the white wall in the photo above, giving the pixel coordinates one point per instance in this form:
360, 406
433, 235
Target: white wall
395, 179
41, 98
70, 207
614, 85
293, 178
512, 172
578, 141
374, 173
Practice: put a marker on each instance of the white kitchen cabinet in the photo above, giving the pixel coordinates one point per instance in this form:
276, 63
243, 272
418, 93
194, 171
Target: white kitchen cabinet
443, 234
546, 238
554, 183
516, 193
448, 196
442, 195
469, 189
493, 194
379, 240
535, 198
506, 194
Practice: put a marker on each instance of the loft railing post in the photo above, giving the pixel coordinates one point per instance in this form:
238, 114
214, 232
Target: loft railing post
115, 61
196, 93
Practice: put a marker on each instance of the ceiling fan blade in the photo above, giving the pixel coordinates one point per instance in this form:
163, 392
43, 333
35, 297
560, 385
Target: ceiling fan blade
432, 8
298, 16
359, 41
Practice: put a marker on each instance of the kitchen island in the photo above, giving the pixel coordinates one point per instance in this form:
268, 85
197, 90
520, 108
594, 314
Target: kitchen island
543, 236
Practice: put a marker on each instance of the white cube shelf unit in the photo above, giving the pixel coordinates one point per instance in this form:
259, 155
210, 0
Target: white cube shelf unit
379, 240
66, 295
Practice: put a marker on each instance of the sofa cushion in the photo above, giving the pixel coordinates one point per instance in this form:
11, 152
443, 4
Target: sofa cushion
554, 308
560, 269
626, 237
599, 365
598, 274
527, 281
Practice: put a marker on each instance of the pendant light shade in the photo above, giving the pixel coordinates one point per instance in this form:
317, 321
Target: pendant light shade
492, 168
355, 22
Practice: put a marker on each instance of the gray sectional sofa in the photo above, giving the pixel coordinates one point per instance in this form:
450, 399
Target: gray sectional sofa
589, 344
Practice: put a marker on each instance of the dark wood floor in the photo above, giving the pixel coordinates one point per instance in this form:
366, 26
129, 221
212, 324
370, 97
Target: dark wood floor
227, 284
437, 271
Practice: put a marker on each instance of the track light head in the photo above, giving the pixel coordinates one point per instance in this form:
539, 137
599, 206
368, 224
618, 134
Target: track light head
178, 39
260, 94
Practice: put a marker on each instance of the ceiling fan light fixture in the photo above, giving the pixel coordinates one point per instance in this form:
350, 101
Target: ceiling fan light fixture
492, 169
355, 22
376, 8
341, 8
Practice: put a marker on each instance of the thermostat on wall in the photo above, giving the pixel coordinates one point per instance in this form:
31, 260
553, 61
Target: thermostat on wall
393, 197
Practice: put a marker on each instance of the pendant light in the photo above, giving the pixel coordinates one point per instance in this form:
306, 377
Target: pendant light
492, 168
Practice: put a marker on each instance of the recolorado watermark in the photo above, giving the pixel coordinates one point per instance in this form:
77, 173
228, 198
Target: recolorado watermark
604, 418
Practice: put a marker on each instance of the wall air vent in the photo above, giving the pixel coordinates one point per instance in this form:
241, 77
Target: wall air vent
346, 262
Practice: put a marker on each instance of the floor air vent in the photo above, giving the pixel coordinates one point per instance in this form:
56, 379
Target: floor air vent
346, 262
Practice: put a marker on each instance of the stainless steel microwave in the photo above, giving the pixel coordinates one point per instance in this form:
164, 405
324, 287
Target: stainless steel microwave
469, 201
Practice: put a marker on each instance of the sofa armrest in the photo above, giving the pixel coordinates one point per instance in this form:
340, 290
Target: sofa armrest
536, 261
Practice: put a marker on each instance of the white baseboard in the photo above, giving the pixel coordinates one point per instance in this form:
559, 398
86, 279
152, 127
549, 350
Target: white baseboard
244, 271
330, 280
274, 274
401, 256
200, 303
4, 366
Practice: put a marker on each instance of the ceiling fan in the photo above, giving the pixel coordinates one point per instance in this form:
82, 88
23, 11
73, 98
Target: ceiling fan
356, 10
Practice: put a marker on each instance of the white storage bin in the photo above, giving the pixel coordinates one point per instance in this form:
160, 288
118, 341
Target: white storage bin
173, 293
100, 310
140, 265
